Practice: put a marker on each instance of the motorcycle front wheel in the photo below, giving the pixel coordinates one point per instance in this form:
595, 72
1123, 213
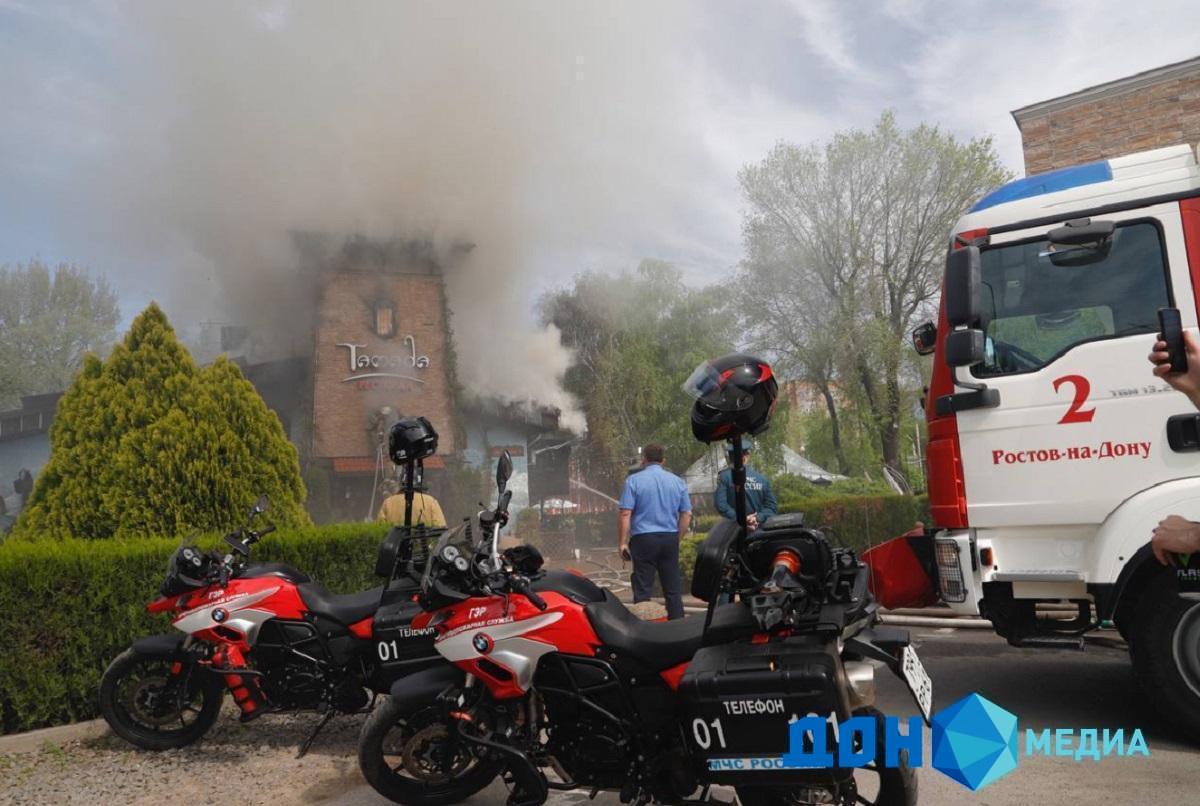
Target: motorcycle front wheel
403, 757
875, 785
149, 706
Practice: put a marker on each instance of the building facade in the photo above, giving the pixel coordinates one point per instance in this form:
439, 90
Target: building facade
1157, 108
381, 349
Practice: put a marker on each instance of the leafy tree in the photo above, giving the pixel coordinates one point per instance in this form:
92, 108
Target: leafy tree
636, 336
845, 246
147, 443
48, 321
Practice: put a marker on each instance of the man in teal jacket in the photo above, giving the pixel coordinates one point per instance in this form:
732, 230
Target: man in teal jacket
760, 500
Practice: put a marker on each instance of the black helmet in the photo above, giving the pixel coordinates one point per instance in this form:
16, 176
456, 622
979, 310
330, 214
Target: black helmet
735, 395
411, 438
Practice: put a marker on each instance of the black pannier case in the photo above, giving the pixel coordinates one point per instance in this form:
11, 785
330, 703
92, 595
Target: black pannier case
399, 647
738, 701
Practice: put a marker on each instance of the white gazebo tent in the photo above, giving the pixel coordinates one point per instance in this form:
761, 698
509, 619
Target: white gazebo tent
701, 477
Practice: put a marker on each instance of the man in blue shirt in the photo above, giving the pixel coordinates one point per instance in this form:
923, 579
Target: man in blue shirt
760, 499
656, 513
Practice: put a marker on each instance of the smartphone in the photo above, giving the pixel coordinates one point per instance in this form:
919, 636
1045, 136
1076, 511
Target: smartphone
1171, 331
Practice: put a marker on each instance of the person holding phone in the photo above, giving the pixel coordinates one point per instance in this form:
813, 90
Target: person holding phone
656, 513
1175, 534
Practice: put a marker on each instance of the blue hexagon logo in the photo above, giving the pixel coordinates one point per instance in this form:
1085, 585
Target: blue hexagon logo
975, 741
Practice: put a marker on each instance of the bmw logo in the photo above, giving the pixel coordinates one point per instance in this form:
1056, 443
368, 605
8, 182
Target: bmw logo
482, 643
220, 614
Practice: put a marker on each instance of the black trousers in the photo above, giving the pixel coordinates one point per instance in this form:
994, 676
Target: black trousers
657, 551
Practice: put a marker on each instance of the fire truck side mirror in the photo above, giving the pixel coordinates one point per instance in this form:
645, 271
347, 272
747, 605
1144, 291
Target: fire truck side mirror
960, 288
964, 348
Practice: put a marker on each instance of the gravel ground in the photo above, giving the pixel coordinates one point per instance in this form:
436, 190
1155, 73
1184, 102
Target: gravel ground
234, 763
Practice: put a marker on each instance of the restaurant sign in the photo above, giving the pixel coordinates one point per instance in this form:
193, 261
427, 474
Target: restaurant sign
365, 365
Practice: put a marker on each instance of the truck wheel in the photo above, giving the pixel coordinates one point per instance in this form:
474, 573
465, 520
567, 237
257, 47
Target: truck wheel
1165, 648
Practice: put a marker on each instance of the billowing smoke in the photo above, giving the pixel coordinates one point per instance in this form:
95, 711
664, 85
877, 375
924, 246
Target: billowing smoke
549, 135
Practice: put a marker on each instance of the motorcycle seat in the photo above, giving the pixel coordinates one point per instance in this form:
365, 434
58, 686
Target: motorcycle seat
346, 608
663, 644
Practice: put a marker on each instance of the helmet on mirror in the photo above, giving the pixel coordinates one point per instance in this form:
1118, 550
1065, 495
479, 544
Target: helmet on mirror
411, 438
735, 395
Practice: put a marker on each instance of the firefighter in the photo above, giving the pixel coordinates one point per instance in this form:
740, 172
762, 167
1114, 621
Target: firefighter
426, 510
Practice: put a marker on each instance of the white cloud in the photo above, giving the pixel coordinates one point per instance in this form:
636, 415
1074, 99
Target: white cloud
829, 33
972, 76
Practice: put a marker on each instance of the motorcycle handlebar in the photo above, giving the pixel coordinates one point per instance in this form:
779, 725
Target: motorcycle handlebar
521, 586
263, 533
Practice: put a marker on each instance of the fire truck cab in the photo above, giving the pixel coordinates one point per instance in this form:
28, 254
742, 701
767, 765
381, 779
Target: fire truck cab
1053, 451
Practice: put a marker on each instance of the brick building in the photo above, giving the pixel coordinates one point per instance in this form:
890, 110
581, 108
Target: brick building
380, 350
1159, 107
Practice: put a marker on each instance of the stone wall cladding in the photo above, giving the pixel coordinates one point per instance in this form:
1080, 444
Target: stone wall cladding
1162, 114
342, 408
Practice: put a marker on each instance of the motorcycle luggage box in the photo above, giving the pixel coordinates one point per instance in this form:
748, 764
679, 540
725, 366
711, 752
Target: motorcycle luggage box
739, 699
400, 649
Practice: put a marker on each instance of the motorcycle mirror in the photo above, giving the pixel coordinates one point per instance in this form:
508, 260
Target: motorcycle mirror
504, 469
261, 505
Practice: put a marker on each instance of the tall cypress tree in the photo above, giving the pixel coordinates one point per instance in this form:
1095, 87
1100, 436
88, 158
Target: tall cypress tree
147, 443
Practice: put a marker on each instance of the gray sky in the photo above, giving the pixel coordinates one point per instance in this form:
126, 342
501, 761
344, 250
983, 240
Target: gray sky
172, 145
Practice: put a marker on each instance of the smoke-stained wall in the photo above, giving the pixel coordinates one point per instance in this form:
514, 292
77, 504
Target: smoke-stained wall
380, 342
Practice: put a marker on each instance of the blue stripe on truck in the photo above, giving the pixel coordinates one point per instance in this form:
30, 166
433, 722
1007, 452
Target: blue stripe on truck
1049, 182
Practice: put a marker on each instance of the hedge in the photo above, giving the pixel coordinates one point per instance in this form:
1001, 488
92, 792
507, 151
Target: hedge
68, 607
855, 521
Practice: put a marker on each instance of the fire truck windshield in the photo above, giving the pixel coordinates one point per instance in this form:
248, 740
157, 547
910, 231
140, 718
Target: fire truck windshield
1034, 310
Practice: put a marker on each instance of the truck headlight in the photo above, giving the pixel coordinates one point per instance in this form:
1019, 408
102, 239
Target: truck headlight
950, 575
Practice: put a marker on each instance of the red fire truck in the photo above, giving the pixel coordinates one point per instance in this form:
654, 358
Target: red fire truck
1053, 451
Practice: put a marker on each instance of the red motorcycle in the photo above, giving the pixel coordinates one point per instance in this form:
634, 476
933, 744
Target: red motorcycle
268, 634
560, 676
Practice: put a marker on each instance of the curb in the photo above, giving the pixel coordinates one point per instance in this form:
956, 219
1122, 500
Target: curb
34, 740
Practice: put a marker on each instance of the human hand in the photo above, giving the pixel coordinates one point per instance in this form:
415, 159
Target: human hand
752, 521
1186, 382
1174, 535
626, 554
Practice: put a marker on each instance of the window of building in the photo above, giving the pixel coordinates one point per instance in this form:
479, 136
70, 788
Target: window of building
1034, 311
385, 319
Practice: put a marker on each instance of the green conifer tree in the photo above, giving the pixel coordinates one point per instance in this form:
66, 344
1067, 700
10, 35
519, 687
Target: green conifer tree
147, 443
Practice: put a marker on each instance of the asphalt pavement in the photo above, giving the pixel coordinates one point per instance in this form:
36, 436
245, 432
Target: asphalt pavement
1045, 689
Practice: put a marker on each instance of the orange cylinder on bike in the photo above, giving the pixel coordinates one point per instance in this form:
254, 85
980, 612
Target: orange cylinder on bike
243, 687
789, 559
